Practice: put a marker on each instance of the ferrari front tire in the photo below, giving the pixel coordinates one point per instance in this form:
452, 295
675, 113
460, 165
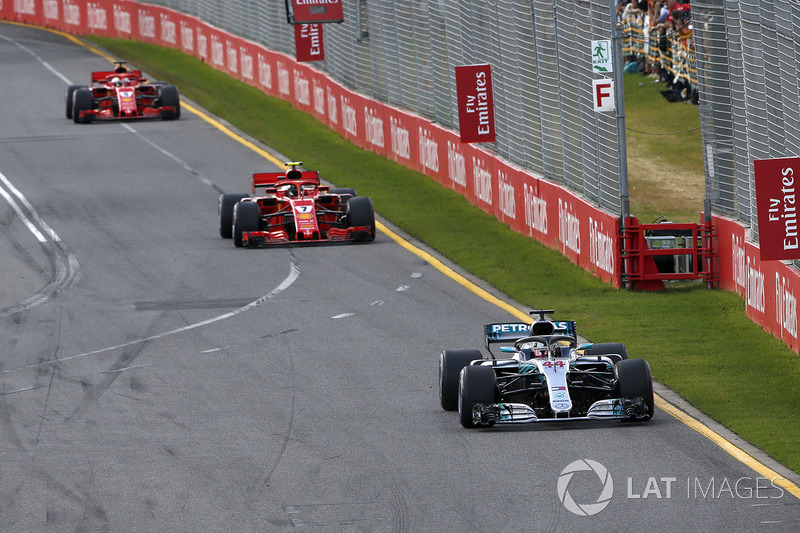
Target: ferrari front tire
70, 94
477, 384
82, 100
168, 97
361, 213
225, 211
246, 217
450, 364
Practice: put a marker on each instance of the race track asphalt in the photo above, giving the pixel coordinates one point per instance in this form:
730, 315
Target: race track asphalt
155, 378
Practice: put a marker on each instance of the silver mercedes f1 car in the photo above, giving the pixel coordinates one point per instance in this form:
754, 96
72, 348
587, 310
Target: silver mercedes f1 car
545, 375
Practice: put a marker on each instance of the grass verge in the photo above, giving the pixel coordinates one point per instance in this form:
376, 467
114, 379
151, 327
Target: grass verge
699, 343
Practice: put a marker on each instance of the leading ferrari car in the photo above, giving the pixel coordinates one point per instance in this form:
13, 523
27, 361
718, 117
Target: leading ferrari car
122, 94
547, 376
293, 207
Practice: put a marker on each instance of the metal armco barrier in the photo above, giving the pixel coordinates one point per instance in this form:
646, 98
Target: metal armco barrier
655, 253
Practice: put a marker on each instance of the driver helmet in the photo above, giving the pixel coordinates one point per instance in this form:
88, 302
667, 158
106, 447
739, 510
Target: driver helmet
538, 352
115, 81
559, 350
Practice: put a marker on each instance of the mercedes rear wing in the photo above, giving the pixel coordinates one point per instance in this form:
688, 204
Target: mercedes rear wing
508, 332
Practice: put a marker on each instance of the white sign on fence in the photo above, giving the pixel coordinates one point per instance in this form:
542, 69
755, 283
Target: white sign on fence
601, 57
603, 95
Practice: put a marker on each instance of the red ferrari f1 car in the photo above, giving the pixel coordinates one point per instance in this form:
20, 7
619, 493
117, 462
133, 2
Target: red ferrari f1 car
122, 94
293, 207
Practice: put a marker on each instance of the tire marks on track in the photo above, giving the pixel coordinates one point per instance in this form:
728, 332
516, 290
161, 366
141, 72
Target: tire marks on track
65, 267
294, 273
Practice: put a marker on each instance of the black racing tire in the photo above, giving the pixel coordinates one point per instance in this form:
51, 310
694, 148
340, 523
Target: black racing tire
608, 348
168, 97
225, 212
246, 217
70, 92
82, 100
344, 190
360, 212
634, 380
450, 364
477, 384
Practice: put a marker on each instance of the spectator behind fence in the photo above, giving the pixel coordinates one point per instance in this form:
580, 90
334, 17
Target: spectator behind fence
660, 44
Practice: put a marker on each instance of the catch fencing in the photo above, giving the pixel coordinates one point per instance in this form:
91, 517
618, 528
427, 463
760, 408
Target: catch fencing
403, 53
388, 84
747, 54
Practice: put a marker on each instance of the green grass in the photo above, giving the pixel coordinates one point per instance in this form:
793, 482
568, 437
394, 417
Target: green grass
665, 158
699, 343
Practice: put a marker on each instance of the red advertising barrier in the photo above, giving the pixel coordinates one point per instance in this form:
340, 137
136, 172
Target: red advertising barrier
401, 147
475, 103
376, 127
533, 206
319, 84
308, 42
769, 288
480, 174
123, 19
100, 18
529, 205
28, 12
776, 203
301, 88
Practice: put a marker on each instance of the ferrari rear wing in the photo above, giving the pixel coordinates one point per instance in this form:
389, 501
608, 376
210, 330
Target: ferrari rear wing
267, 181
100, 77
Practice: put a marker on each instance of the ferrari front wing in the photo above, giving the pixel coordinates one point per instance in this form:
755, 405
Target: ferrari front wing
262, 238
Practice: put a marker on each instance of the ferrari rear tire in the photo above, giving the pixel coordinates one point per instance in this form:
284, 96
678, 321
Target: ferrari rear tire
246, 217
70, 93
450, 364
361, 213
225, 212
478, 384
168, 97
608, 348
82, 100
344, 190
634, 380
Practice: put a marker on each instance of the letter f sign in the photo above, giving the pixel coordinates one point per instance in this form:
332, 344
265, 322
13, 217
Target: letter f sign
603, 95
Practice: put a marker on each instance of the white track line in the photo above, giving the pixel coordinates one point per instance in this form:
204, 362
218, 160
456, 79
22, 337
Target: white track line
294, 273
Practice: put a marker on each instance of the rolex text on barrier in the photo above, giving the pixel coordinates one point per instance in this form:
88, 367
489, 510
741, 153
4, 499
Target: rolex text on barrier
309, 11
776, 183
475, 103
308, 42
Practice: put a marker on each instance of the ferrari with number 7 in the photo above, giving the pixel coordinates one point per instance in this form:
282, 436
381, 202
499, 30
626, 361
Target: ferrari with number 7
546, 376
294, 207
